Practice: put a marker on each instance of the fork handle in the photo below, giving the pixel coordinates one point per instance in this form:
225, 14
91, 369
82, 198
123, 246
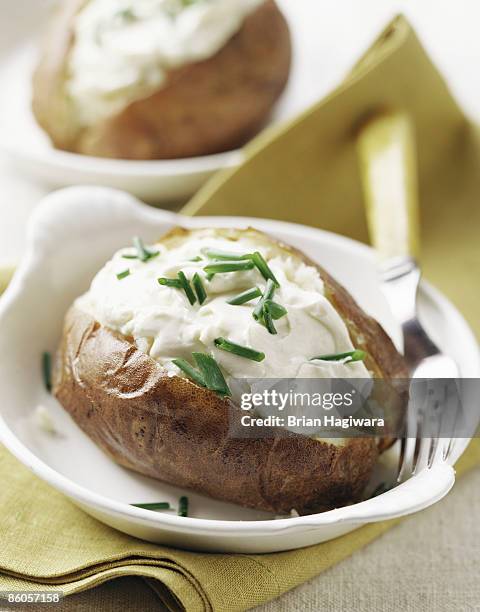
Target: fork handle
386, 153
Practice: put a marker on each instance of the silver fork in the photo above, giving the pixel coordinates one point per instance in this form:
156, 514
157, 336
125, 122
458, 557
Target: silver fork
388, 169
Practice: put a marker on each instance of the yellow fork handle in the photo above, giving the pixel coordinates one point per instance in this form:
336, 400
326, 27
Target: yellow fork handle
386, 151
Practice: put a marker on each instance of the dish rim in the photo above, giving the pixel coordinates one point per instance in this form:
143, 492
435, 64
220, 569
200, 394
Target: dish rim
123, 510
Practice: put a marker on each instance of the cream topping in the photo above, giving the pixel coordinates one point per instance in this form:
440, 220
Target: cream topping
164, 325
123, 49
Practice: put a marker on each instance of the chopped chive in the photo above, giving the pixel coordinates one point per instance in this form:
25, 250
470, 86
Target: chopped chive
267, 295
268, 319
263, 267
352, 356
183, 506
237, 349
199, 288
245, 296
130, 256
142, 252
210, 276
190, 371
153, 506
224, 255
47, 370
197, 258
123, 274
187, 288
170, 282
229, 266
212, 375
276, 310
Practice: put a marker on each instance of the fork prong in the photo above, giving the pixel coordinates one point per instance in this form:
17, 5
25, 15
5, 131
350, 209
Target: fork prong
422, 449
402, 459
407, 451
433, 451
454, 404
409, 442
448, 449
421, 445
437, 420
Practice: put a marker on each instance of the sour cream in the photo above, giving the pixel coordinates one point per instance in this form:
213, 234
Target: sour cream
165, 325
123, 49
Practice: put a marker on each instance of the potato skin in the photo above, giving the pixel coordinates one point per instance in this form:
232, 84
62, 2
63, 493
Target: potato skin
171, 429
206, 107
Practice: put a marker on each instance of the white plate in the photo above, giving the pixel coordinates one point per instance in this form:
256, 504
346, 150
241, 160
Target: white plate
162, 181
72, 233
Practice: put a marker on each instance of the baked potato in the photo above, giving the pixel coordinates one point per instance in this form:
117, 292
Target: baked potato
123, 369
200, 93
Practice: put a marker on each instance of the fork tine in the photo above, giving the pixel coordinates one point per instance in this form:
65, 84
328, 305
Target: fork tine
433, 451
453, 393
402, 458
407, 443
449, 449
422, 446
406, 458
437, 416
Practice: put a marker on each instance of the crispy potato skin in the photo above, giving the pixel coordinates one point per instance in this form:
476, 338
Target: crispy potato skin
206, 107
171, 429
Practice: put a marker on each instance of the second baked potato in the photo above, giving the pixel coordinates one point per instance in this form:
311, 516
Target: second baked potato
109, 85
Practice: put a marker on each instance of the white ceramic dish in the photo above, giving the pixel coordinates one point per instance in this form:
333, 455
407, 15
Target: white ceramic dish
163, 181
71, 234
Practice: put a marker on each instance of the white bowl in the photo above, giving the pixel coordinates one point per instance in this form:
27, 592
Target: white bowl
72, 233
157, 181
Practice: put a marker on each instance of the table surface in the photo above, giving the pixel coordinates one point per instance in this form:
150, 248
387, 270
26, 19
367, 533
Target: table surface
430, 562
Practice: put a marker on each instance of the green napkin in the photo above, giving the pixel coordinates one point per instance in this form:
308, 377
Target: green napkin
48, 544
305, 172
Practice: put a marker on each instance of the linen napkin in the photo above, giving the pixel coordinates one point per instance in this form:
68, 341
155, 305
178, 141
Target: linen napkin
305, 172
48, 544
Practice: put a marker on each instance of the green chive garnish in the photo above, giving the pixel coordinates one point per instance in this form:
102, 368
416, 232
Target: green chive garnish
264, 268
210, 276
237, 349
123, 274
199, 288
142, 252
224, 255
276, 310
170, 282
187, 288
130, 256
183, 506
153, 506
197, 258
229, 266
47, 371
245, 296
190, 371
267, 295
268, 319
356, 355
212, 375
